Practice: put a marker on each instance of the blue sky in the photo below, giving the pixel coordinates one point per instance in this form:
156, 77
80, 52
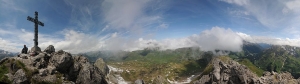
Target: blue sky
89, 25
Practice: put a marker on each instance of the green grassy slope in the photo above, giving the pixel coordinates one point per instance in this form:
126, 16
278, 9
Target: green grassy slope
172, 64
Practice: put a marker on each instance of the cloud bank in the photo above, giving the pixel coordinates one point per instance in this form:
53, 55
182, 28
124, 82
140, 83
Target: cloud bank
78, 42
208, 40
218, 38
270, 40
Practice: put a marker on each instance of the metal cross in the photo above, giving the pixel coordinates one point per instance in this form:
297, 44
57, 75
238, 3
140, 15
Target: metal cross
36, 22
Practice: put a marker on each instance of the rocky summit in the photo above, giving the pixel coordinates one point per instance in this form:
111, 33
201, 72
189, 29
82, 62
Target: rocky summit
222, 70
50, 67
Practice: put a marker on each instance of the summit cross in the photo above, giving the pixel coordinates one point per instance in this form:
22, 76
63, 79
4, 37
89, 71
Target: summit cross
36, 22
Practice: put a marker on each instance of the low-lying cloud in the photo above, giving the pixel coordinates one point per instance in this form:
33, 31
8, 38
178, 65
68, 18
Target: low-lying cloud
270, 40
216, 38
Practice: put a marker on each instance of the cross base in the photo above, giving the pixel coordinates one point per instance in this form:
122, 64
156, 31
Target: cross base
35, 49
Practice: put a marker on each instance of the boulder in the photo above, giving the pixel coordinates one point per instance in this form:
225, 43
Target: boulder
62, 61
24, 56
20, 77
50, 49
100, 64
40, 61
87, 73
36, 49
139, 81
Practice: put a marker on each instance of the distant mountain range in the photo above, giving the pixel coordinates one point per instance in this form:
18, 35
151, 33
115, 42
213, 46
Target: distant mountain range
265, 57
4, 54
189, 64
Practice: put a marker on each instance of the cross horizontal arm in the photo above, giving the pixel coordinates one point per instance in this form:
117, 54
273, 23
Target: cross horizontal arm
35, 20
30, 19
41, 23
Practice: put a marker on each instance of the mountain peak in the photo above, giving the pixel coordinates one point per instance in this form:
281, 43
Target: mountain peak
50, 67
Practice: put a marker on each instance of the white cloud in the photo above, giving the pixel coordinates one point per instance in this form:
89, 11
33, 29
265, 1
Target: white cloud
218, 38
293, 5
78, 42
238, 2
75, 42
84, 14
270, 40
9, 46
131, 15
9, 6
114, 35
162, 45
208, 40
164, 25
275, 14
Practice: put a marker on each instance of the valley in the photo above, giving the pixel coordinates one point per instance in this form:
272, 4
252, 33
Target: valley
179, 65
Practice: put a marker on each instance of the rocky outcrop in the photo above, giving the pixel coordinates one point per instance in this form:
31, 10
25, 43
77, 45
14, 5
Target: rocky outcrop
62, 61
100, 64
230, 71
87, 73
51, 67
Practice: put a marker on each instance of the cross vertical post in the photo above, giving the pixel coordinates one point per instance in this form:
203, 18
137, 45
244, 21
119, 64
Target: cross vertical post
36, 22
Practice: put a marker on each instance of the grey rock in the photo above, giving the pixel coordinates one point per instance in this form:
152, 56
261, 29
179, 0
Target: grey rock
58, 67
62, 61
43, 72
234, 73
102, 66
87, 73
40, 60
139, 81
68, 82
50, 49
36, 49
20, 77
24, 56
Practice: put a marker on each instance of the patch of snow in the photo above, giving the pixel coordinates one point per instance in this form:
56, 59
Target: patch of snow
119, 78
114, 69
188, 80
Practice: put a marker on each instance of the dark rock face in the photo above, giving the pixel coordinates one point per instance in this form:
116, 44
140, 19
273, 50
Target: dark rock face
54, 68
231, 72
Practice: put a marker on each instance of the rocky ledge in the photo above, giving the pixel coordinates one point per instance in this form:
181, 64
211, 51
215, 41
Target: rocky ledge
52, 67
231, 72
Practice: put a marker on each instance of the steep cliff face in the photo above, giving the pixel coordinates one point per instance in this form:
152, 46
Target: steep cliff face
226, 71
50, 67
